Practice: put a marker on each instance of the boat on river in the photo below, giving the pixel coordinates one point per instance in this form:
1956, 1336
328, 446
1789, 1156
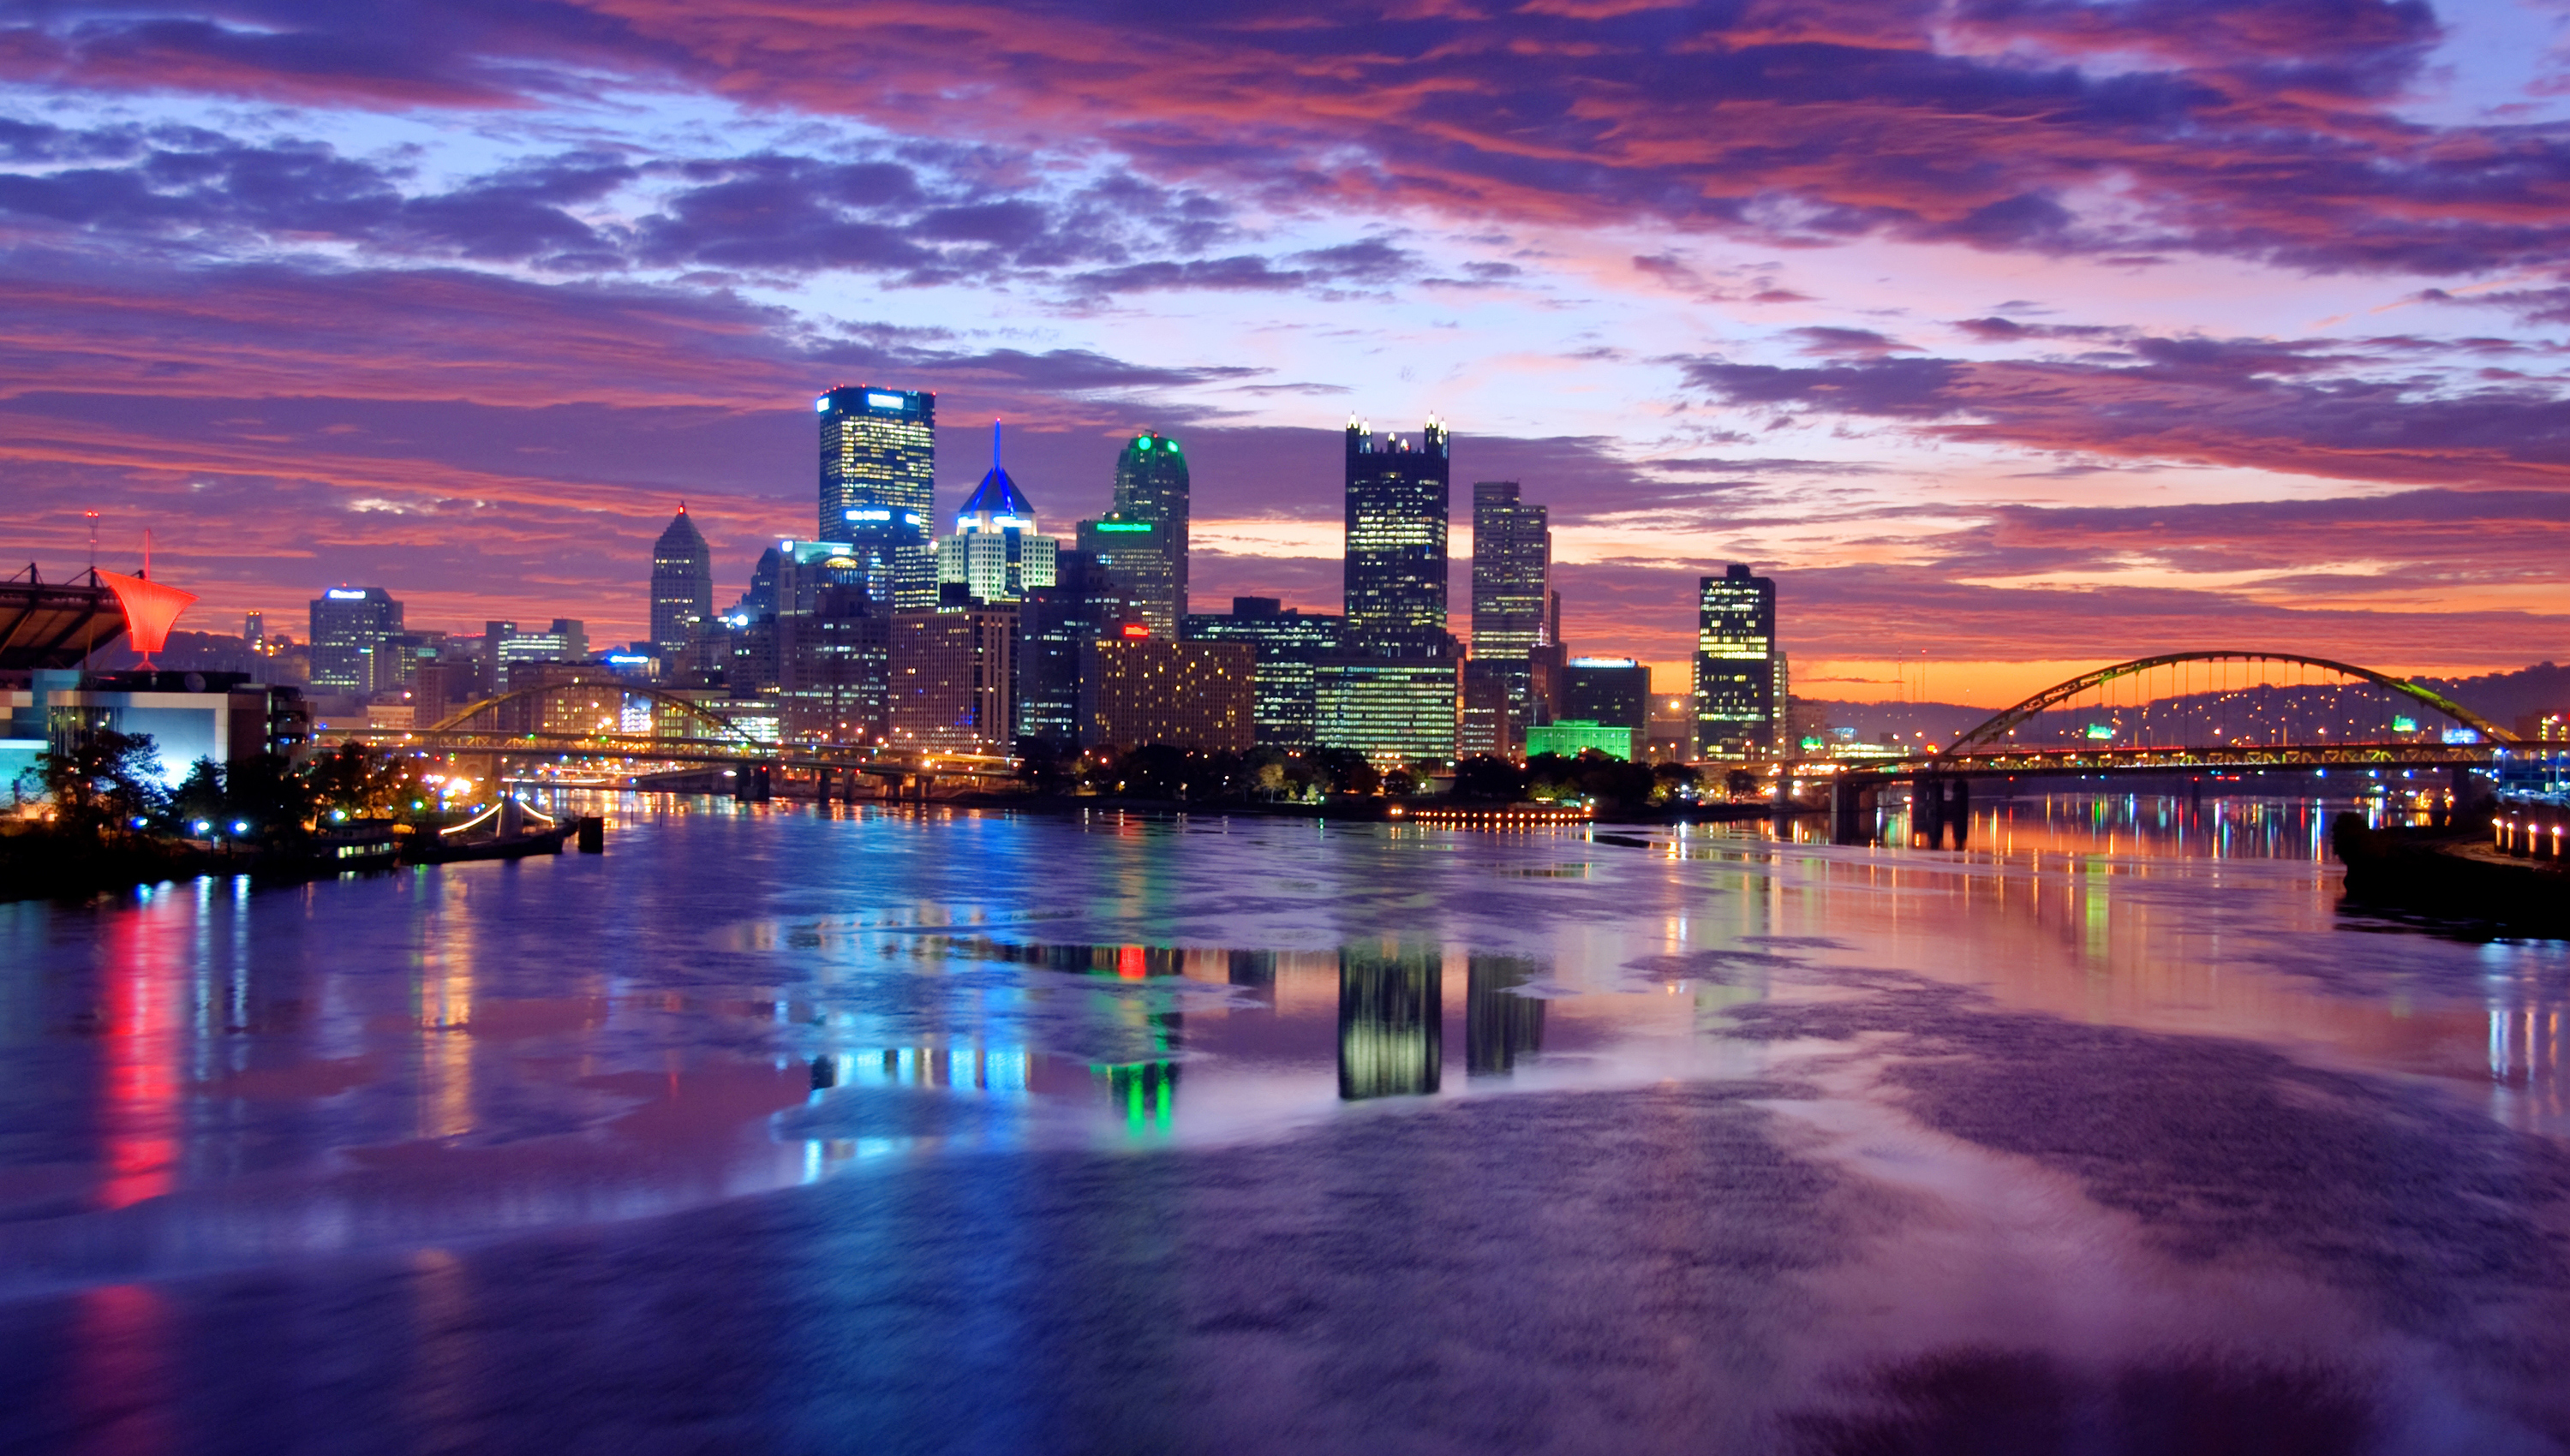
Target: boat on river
508, 830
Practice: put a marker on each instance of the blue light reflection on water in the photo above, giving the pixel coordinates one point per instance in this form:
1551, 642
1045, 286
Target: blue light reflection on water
732, 1003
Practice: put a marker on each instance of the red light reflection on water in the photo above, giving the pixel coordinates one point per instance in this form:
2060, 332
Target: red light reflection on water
142, 1092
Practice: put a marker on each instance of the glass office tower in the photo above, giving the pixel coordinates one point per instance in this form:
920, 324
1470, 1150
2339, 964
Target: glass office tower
879, 485
352, 632
1396, 543
682, 585
1737, 706
1152, 486
1512, 574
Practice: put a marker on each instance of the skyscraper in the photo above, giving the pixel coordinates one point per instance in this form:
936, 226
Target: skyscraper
879, 484
683, 585
1736, 665
995, 550
1396, 543
1151, 485
1512, 574
353, 631
1130, 579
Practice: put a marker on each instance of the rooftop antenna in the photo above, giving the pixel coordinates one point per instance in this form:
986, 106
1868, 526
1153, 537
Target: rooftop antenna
93, 545
995, 445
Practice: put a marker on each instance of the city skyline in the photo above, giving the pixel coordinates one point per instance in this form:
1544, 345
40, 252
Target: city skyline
2012, 341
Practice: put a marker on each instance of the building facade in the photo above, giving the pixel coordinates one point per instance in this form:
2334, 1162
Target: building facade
952, 679
1611, 690
1489, 724
1396, 543
352, 632
1055, 625
1511, 586
1286, 644
879, 485
1131, 575
1737, 667
1152, 486
835, 668
683, 585
1394, 711
1135, 691
1571, 737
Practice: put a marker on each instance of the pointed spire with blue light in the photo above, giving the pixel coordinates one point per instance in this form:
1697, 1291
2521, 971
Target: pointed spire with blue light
996, 503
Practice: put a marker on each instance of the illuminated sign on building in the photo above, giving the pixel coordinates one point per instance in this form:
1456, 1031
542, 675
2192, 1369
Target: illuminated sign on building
884, 401
335, 594
1123, 526
869, 512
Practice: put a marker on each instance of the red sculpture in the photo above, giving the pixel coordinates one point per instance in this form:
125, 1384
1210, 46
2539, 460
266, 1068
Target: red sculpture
149, 608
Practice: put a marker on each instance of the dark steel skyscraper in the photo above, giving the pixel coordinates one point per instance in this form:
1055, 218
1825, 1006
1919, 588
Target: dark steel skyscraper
1512, 572
1736, 665
682, 585
879, 485
1396, 543
1151, 485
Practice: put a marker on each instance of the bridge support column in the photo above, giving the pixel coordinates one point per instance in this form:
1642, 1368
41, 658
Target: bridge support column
1851, 812
1928, 811
1958, 811
743, 786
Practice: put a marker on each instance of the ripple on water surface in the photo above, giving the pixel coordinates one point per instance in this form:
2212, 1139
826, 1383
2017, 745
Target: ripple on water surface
2112, 1131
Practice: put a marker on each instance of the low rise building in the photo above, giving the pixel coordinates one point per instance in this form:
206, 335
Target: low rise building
1571, 737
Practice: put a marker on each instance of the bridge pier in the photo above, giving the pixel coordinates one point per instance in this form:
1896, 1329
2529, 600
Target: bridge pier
1851, 810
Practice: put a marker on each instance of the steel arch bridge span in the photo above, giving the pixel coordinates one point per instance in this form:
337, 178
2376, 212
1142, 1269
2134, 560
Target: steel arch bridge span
1993, 734
729, 733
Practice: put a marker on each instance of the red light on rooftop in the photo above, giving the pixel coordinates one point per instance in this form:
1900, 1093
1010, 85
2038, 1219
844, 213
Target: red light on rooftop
1136, 629
149, 608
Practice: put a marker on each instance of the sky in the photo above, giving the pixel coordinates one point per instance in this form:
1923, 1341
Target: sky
2009, 336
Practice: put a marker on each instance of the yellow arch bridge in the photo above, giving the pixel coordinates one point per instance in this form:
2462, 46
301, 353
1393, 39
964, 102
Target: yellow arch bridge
2195, 713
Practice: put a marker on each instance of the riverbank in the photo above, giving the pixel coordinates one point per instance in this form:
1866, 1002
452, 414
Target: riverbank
2453, 873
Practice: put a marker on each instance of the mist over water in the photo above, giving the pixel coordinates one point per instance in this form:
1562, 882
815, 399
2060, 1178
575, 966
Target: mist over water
776, 1131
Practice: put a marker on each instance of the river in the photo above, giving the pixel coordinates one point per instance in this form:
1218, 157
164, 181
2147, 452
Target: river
933, 1130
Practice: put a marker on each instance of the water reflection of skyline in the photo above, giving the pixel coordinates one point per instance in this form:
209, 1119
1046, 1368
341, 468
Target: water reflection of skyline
392, 1060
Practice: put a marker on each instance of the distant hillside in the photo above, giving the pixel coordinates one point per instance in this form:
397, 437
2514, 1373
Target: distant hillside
2509, 699
1873, 722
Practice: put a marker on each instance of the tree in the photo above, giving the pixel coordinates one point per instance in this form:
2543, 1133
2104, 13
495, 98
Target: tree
105, 781
1673, 781
200, 797
1346, 771
1483, 778
266, 793
1154, 771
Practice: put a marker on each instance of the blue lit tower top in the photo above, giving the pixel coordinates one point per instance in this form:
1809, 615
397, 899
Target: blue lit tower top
996, 503
878, 453
879, 487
